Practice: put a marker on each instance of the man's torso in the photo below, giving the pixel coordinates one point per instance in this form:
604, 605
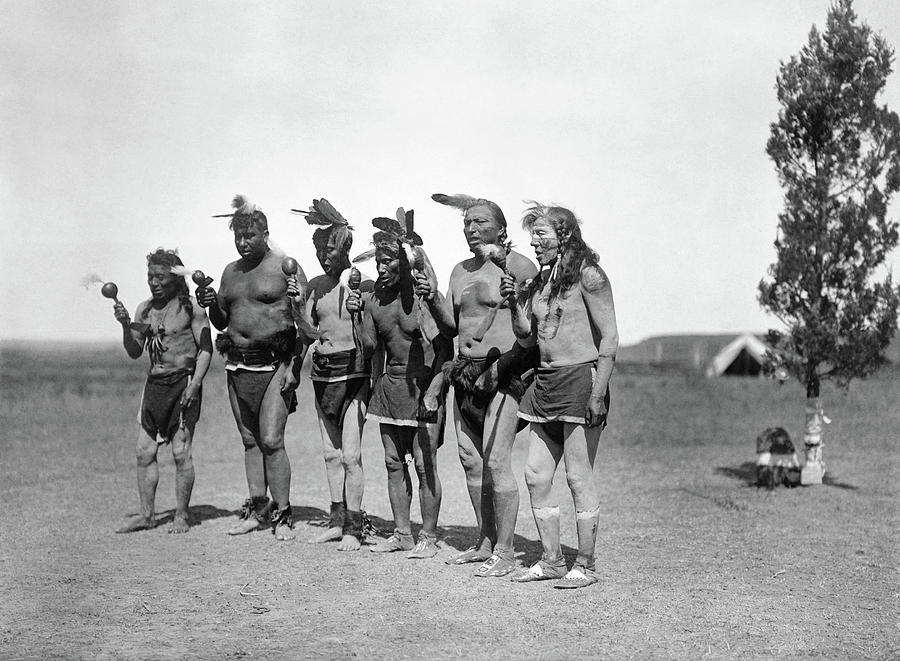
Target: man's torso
169, 338
256, 301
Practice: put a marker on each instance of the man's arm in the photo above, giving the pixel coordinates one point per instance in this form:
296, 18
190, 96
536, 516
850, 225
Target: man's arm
132, 341
598, 301
203, 340
523, 324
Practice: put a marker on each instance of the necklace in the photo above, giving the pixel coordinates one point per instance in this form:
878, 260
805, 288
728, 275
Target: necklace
153, 339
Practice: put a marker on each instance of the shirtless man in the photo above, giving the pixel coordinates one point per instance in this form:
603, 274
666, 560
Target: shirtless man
568, 312
486, 399
340, 374
396, 320
259, 344
176, 334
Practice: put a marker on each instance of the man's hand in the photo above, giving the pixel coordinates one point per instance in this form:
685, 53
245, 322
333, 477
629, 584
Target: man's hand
508, 287
293, 289
121, 314
354, 301
423, 286
190, 394
289, 382
206, 296
596, 412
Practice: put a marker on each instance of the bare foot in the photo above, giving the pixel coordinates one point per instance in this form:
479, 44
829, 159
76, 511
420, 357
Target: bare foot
330, 535
179, 525
284, 533
136, 523
349, 543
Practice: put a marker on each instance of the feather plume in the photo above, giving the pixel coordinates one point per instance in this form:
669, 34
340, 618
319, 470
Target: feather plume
459, 201
242, 207
183, 271
364, 256
388, 225
323, 214
497, 254
91, 279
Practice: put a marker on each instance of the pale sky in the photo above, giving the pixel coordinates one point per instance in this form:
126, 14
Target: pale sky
128, 124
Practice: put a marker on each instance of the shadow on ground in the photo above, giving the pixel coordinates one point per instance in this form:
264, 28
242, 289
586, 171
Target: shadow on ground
746, 473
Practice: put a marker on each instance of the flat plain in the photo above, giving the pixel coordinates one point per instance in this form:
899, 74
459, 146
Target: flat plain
695, 561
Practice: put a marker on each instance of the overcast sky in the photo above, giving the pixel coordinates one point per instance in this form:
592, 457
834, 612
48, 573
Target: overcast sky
128, 124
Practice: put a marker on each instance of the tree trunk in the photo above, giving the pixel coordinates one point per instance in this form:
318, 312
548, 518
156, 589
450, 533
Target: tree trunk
813, 468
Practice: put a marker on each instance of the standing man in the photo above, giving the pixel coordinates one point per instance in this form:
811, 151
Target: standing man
487, 390
176, 335
340, 374
259, 344
568, 312
395, 319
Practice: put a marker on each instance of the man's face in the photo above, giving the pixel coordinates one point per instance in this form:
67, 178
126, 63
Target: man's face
388, 266
162, 282
544, 241
250, 242
331, 255
480, 228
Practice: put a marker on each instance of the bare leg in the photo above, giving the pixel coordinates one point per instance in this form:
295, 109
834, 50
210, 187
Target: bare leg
544, 454
351, 457
425, 457
470, 456
254, 468
184, 478
395, 441
399, 482
580, 451
273, 413
147, 479
334, 473
500, 434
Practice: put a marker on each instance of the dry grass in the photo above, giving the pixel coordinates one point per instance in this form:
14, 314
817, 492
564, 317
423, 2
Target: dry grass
695, 562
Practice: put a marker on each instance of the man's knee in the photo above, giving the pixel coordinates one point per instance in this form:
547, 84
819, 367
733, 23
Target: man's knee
271, 442
332, 454
350, 458
535, 478
181, 453
578, 480
469, 458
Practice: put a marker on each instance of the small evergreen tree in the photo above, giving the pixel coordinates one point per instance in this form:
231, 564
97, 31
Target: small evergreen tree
837, 153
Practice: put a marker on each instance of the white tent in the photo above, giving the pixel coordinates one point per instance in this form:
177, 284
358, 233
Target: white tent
742, 356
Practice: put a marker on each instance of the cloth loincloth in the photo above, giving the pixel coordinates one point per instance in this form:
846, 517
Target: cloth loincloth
250, 386
472, 404
559, 394
339, 378
161, 414
396, 399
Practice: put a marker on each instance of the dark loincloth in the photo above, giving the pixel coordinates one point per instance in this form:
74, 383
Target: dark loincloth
161, 414
396, 399
338, 366
277, 349
471, 403
250, 387
559, 394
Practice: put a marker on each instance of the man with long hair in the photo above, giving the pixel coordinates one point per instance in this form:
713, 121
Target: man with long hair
395, 319
259, 345
175, 332
486, 396
568, 312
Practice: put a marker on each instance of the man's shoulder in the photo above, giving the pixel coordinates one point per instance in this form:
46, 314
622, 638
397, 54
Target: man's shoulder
593, 278
520, 265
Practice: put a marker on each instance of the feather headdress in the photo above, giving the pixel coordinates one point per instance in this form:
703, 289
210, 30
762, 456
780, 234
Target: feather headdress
242, 207
459, 201
323, 214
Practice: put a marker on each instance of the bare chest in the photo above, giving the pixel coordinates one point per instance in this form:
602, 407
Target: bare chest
257, 285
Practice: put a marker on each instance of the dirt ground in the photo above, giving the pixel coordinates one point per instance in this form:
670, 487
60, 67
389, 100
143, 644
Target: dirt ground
695, 562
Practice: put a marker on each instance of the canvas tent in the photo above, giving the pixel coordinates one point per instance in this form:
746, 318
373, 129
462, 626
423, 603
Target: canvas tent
741, 357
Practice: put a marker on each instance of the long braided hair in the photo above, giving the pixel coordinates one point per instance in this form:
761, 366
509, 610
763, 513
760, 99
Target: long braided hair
574, 253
